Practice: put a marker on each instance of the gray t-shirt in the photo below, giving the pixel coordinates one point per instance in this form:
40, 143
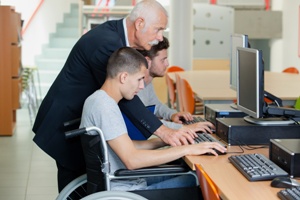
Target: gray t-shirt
148, 97
102, 111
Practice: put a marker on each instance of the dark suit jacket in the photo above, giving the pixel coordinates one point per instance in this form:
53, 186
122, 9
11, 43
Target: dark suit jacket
83, 73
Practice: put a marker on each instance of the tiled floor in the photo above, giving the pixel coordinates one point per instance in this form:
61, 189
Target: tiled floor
26, 172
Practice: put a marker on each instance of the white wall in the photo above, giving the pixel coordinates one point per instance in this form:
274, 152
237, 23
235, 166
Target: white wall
290, 34
37, 34
284, 52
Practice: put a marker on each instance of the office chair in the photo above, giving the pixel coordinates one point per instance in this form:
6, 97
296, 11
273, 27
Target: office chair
98, 177
292, 70
171, 87
189, 100
208, 188
179, 100
174, 68
297, 104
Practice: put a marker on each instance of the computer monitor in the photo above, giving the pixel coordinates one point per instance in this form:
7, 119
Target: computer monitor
250, 79
250, 90
236, 40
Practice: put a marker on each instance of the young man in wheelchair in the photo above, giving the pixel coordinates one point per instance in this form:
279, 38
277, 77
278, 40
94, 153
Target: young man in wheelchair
125, 78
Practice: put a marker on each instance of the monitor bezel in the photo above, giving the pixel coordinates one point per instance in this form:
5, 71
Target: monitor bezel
259, 80
233, 68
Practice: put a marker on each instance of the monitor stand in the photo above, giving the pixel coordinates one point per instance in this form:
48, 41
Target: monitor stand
233, 106
269, 121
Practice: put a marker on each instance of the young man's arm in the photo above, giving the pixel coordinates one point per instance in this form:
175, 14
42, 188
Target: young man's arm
134, 158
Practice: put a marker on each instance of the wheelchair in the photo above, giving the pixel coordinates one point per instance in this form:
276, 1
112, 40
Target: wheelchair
97, 183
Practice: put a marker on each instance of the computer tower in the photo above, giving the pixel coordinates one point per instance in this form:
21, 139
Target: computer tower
236, 131
213, 111
286, 154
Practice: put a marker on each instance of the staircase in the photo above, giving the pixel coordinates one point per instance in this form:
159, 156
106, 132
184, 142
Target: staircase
54, 54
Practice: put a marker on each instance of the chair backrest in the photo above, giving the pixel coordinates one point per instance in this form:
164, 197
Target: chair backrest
174, 68
171, 92
293, 70
171, 85
179, 93
187, 96
297, 104
208, 188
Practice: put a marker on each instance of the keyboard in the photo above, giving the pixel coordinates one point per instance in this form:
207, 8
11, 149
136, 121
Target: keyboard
289, 193
195, 120
206, 137
256, 167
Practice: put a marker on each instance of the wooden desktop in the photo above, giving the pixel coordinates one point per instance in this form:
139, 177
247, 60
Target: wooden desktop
231, 184
212, 86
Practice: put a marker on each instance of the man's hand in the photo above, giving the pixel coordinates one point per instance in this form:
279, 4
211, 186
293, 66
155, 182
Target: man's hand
176, 117
205, 127
173, 137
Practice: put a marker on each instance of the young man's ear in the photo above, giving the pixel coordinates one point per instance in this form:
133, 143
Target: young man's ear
123, 77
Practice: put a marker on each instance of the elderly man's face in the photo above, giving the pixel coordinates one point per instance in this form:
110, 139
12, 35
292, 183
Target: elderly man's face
152, 32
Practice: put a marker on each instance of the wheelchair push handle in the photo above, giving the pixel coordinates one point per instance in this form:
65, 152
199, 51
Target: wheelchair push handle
85, 130
75, 133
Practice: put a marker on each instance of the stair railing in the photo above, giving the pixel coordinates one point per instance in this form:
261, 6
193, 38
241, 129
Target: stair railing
32, 16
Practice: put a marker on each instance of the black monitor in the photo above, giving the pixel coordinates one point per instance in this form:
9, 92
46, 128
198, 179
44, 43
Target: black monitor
236, 40
250, 87
250, 90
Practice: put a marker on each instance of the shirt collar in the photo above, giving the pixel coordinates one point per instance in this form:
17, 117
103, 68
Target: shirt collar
125, 31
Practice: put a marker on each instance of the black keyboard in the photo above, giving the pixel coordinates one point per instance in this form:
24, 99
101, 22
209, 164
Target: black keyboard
256, 167
206, 137
195, 120
289, 193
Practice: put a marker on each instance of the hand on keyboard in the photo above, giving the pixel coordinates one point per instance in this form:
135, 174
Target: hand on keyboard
180, 117
199, 125
212, 148
205, 137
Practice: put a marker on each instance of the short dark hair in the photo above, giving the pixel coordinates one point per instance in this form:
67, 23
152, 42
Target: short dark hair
125, 59
164, 44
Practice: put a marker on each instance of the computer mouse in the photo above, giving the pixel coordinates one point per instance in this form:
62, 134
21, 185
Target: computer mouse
284, 182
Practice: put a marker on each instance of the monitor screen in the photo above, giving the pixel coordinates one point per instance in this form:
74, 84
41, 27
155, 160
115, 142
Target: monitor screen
250, 83
236, 40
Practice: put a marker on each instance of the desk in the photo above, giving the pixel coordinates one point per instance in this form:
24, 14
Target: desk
212, 86
231, 184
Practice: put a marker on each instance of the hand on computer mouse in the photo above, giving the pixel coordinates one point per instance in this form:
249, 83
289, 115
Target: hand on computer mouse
284, 182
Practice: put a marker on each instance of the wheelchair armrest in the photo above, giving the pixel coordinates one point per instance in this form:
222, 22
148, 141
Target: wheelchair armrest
166, 169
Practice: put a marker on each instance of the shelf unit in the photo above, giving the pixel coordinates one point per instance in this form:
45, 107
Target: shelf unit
10, 68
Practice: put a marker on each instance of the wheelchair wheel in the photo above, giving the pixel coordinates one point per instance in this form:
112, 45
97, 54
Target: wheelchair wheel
113, 195
74, 190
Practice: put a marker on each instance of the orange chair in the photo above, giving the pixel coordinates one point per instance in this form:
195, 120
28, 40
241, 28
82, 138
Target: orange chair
171, 87
207, 186
293, 70
188, 99
174, 69
179, 100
